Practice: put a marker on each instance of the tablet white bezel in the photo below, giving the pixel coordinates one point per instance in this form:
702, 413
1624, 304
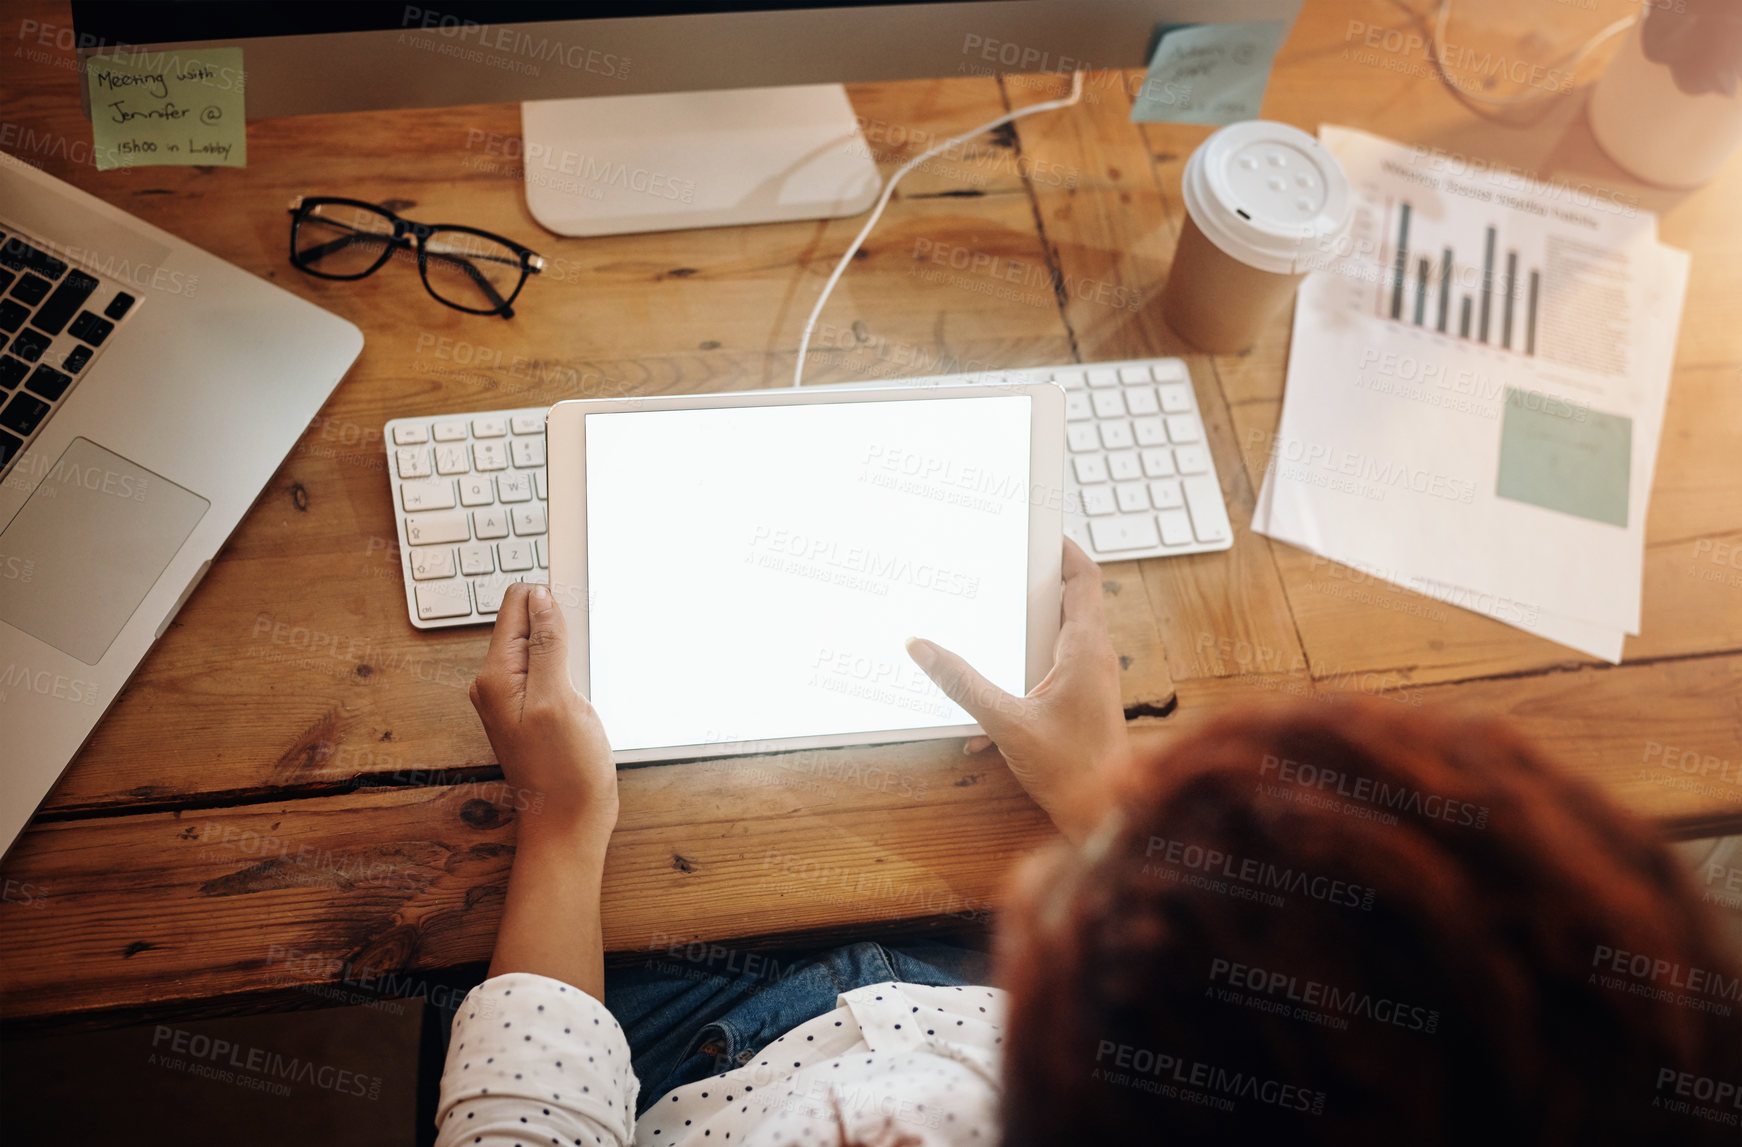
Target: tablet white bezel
566, 473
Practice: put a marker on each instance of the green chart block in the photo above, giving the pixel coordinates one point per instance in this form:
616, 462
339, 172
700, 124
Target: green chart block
1564, 457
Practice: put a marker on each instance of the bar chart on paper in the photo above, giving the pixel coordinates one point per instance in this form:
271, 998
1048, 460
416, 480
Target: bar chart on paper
1485, 295
1495, 269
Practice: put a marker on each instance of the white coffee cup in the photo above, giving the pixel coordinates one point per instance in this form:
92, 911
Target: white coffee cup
1265, 205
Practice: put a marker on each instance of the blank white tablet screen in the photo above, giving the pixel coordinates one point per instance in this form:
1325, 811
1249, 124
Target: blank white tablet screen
753, 572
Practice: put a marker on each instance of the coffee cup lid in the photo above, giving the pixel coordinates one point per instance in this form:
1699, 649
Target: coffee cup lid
1267, 194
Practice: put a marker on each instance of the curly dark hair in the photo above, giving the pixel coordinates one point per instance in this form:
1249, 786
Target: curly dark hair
1357, 923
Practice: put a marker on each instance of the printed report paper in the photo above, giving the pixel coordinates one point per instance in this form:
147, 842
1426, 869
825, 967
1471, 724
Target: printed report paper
1476, 387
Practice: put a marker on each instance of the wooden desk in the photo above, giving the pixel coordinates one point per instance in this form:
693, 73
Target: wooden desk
294, 783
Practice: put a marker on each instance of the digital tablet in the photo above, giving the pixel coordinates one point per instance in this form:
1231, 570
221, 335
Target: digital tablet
740, 572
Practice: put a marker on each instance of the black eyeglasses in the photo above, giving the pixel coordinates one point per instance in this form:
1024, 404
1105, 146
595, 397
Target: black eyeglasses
468, 269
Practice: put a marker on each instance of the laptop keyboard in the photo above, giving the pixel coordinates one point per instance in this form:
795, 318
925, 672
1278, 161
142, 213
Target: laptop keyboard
470, 500
55, 319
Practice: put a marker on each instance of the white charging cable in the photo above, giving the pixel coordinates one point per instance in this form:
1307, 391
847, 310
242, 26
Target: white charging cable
889, 189
1444, 15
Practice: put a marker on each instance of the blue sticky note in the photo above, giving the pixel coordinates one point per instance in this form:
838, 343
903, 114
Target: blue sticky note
1208, 73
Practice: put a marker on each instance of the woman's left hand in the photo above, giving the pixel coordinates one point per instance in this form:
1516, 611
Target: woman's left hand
547, 737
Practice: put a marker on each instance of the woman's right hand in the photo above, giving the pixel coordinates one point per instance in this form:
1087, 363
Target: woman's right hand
1070, 728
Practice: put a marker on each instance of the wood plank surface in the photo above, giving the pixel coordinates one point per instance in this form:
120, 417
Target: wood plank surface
138, 911
1664, 739
292, 701
126, 910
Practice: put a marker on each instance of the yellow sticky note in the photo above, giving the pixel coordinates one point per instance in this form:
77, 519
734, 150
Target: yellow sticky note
155, 108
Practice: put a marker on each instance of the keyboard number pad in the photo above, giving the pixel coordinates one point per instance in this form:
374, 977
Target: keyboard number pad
1098, 500
471, 491
1124, 466
1145, 484
1080, 436
1176, 398
1109, 404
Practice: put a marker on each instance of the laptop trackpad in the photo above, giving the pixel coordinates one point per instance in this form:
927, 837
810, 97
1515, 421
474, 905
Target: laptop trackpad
94, 534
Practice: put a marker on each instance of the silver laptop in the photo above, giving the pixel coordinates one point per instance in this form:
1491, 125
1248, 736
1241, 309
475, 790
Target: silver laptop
148, 391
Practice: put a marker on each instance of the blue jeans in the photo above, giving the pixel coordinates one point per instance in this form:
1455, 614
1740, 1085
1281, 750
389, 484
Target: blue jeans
708, 1010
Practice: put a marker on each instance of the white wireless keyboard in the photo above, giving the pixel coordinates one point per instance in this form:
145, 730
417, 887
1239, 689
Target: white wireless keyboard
470, 498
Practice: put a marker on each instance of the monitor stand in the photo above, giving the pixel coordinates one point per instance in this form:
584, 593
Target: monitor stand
613, 165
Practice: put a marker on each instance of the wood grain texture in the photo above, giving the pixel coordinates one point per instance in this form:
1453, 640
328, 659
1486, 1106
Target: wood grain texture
138, 912
1663, 740
292, 685
1111, 239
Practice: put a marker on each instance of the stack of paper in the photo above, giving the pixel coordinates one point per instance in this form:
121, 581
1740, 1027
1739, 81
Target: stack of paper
1476, 388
